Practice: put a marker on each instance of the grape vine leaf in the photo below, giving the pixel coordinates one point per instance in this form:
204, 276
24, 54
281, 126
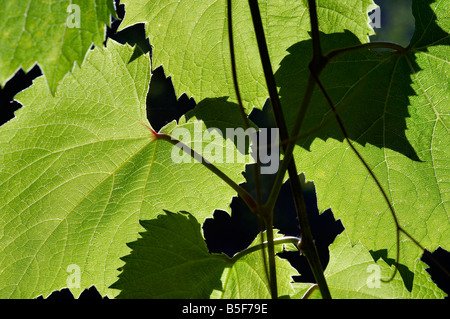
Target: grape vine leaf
352, 273
171, 260
369, 117
54, 34
395, 108
78, 169
190, 39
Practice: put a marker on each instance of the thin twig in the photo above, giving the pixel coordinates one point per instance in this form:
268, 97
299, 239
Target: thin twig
257, 165
362, 160
309, 291
288, 146
277, 241
308, 246
372, 45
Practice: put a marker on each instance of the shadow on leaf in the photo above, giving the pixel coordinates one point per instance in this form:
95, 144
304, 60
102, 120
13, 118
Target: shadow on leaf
407, 275
218, 113
370, 90
170, 260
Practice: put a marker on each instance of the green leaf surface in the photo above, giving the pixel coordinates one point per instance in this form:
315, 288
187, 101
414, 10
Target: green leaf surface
190, 39
171, 260
79, 169
54, 34
395, 108
82, 172
352, 274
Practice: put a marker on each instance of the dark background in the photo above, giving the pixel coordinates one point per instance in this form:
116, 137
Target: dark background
225, 233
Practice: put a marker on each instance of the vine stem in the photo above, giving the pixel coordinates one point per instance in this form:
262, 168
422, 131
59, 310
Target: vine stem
371, 45
309, 291
288, 146
238, 96
257, 165
307, 243
277, 241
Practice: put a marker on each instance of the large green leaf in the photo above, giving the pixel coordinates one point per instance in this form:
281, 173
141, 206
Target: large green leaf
80, 168
54, 34
352, 274
171, 260
395, 108
190, 39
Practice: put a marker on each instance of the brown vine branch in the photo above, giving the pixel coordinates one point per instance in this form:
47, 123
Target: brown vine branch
257, 166
308, 246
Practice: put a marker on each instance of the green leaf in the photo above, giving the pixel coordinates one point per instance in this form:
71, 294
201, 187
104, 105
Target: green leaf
54, 34
246, 277
395, 109
79, 169
190, 39
171, 260
352, 274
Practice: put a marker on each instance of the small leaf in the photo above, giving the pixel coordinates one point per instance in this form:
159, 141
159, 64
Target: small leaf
171, 260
